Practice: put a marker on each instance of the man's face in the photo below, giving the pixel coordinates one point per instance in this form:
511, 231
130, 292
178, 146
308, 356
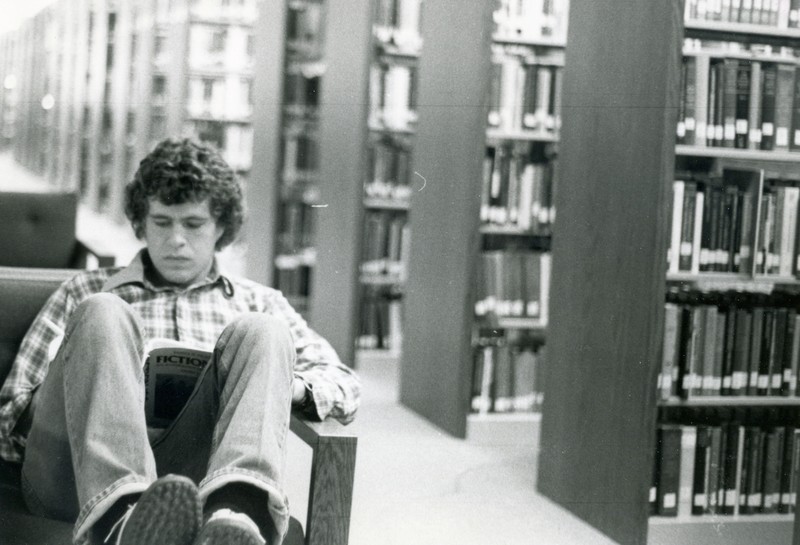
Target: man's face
180, 240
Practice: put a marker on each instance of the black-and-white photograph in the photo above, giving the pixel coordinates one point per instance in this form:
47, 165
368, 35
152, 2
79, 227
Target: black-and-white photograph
407, 272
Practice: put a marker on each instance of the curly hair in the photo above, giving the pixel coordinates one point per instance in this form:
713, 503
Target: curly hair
179, 171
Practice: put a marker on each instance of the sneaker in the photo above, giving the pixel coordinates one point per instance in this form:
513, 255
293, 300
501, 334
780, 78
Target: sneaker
226, 527
168, 513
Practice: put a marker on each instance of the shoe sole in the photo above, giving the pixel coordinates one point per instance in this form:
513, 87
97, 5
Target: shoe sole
228, 532
168, 513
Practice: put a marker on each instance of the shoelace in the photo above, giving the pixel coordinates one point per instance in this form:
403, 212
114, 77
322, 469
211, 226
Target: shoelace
121, 522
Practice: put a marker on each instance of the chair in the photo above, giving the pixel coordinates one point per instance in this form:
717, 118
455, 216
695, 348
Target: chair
39, 231
23, 291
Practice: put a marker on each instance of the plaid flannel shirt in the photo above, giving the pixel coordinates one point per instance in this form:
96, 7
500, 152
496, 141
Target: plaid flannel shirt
196, 316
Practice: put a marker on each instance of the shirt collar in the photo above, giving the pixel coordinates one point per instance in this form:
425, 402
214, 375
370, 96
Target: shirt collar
135, 273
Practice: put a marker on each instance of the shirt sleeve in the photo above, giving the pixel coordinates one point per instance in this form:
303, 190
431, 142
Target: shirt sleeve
30, 367
335, 387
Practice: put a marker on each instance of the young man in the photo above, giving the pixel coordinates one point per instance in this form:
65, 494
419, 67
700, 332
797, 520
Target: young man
72, 408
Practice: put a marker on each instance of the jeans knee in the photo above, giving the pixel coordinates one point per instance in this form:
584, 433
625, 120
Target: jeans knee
260, 330
102, 306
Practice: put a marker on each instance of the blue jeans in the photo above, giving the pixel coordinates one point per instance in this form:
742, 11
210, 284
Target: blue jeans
88, 444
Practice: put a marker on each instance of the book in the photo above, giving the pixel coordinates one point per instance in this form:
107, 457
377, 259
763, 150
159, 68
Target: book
687, 470
730, 92
755, 351
773, 448
702, 467
669, 367
769, 83
741, 352
731, 467
171, 371
669, 469
754, 115
784, 95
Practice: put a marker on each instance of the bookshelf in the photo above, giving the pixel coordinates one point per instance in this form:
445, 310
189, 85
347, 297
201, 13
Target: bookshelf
510, 226
603, 415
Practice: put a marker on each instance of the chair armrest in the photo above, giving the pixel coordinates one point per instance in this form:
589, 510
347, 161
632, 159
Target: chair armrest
84, 249
332, 474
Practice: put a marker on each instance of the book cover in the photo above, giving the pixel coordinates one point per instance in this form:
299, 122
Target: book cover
773, 447
731, 468
741, 352
715, 469
765, 357
702, 466
702, 82
781, 316
784, 95
754, 114
686, 479
697, 232
669, 366
755, 351
710, 345
788, 229
669, 473
722, 373
753, 485
769, 85
730, 91
171, 371
689, 101
677, 226
787, 488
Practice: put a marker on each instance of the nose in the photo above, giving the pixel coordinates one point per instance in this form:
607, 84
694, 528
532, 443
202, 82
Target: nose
177, 237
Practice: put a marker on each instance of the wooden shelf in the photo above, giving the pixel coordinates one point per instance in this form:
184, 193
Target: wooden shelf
510, 230
734, 153
741, 32
529, 136
732, 281
511, 322
556, 43
730, 401
721, 530
386, 204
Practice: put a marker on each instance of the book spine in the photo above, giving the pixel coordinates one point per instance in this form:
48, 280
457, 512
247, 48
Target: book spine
669, 470
730, 69
754, 115
783, 106
755, 351
769, 85
743, 83
702, 82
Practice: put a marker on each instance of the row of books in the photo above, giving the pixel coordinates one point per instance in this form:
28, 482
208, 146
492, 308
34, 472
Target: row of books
389, 162
531, 19
515, 191
525, 92
295, 281
301, 91
380, 319
776, 13
387, 238
400, 194
304, 28
725, 470
513, 283
739, 103
295, 227
507, 378
392, 96
726, 229
398, 22
300, 156
729, 350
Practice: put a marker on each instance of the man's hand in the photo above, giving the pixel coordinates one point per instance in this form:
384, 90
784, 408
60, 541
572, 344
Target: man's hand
298, 391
